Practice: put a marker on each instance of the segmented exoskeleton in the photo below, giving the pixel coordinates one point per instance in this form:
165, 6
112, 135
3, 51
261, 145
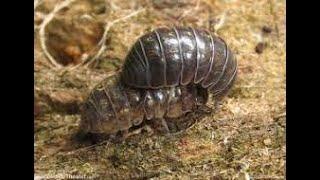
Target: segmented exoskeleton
167, 73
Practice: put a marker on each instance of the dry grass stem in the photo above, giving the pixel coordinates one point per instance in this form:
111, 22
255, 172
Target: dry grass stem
101, 45
42, 30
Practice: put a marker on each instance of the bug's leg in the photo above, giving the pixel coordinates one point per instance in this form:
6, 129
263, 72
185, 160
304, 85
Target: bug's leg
149, 130
165, 125
160, 124
205, 109
139, 130
172, 125
124, 134
217, 105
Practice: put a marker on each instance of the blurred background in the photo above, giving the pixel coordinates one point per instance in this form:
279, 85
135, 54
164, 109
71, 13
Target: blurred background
80, 42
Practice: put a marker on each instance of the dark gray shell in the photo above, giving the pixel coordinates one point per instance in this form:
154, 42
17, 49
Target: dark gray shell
179, 56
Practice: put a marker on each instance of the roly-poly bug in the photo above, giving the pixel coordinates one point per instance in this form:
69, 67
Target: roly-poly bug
167, 73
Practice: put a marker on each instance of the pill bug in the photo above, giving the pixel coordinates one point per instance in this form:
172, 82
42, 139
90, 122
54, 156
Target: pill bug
166, 74
113, 107
179, 56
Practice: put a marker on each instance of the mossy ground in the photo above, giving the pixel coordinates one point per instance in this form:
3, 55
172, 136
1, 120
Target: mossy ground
245, 139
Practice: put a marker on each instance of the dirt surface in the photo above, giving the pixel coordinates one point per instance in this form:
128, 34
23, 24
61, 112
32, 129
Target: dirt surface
78, 43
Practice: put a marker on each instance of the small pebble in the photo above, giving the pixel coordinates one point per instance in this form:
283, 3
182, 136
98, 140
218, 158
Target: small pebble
266, 29
38, 18
260, 47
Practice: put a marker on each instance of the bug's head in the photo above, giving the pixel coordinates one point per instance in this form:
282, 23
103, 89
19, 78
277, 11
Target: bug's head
103, 109
97, 116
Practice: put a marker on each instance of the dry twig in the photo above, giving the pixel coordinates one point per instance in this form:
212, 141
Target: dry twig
105, 142
220, 23
101, 45
43, 26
